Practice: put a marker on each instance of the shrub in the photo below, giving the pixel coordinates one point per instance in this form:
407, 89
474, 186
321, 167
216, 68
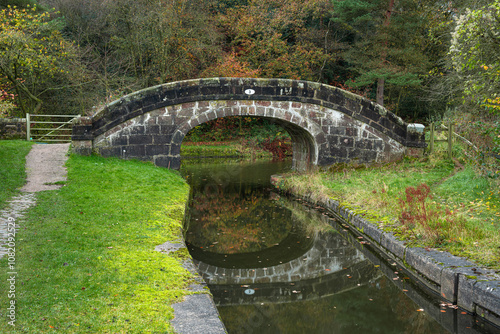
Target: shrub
427, 221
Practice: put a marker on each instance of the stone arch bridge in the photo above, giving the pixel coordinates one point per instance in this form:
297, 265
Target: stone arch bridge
327, 125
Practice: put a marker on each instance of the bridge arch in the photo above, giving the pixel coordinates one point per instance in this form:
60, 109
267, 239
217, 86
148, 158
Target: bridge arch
327, 124
306, 138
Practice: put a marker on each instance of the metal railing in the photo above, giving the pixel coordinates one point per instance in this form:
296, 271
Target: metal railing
55, 128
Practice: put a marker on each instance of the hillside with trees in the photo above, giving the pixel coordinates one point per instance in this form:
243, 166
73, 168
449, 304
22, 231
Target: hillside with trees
423, 60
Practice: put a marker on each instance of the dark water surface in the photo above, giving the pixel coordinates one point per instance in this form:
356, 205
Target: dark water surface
276, 265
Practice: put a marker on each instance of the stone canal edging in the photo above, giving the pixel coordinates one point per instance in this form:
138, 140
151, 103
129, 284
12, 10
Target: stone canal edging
454, 279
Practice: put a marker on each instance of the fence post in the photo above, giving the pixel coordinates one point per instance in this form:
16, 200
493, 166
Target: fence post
431, 144
450, 139
28, 124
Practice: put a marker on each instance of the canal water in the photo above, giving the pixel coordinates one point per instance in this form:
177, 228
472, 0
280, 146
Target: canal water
277, 265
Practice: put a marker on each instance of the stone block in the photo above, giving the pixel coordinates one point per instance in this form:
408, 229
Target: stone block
378, 145
165, 120
152, 150
426, 263
119, 140
452, 267
175, 149
465, 297
346, 141
193, 123
365, 144
219, 113
362, 155
177, 137
140, 139
337, 130
214, 90
372, 231
162, 139
117, 112
135, 151
167, 161
187, 91
338, 152
203, 118
487, 296
186, 112
82, 147
113, 151
351, 132
393, 245
135, 130
82, 132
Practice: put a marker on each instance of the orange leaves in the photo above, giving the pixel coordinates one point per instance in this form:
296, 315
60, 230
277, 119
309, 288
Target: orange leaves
270, 36
231, 66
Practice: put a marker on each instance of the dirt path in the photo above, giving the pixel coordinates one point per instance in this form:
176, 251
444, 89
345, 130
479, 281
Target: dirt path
44, 167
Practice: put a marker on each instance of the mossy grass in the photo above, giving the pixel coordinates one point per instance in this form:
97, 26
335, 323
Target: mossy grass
85, 258
12, 172
240, 149
467, 204
209, 150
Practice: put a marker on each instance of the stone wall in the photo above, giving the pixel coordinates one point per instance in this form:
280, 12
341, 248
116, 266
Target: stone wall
12, 128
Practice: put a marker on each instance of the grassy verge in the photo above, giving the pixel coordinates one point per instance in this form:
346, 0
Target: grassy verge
223, 149
460, 212
85, 258
12, 162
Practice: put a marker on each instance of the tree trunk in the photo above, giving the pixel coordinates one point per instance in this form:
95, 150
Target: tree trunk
380, 91
383, 56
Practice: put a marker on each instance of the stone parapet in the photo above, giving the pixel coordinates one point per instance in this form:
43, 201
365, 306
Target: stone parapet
12, 128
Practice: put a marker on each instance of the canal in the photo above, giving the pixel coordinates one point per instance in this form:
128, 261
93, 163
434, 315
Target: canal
277, 265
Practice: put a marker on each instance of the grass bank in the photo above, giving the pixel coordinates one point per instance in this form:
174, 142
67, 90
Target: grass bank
431, 202
12, 173
239, 148
85, 258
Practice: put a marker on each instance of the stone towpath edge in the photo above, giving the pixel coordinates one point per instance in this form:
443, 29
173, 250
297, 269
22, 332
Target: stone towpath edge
455, 279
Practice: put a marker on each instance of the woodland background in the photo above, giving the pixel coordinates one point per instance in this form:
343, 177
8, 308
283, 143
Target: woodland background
423, 60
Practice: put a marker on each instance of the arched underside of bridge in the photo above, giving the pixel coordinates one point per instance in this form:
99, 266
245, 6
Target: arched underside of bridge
327, 125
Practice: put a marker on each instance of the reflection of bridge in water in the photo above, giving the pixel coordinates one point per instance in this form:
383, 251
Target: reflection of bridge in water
332, 265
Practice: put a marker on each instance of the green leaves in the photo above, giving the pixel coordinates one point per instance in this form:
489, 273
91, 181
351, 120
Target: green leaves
32, 53
475, 51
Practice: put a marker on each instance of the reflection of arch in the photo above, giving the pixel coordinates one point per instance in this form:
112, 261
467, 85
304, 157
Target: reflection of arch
329, 253
269, 257
359, 274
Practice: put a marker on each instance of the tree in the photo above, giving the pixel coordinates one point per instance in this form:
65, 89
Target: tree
34, 57
130, 45
231, 66
475, 55
384, 41
270, 36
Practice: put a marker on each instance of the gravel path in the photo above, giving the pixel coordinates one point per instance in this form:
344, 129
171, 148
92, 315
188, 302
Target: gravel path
44, 167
